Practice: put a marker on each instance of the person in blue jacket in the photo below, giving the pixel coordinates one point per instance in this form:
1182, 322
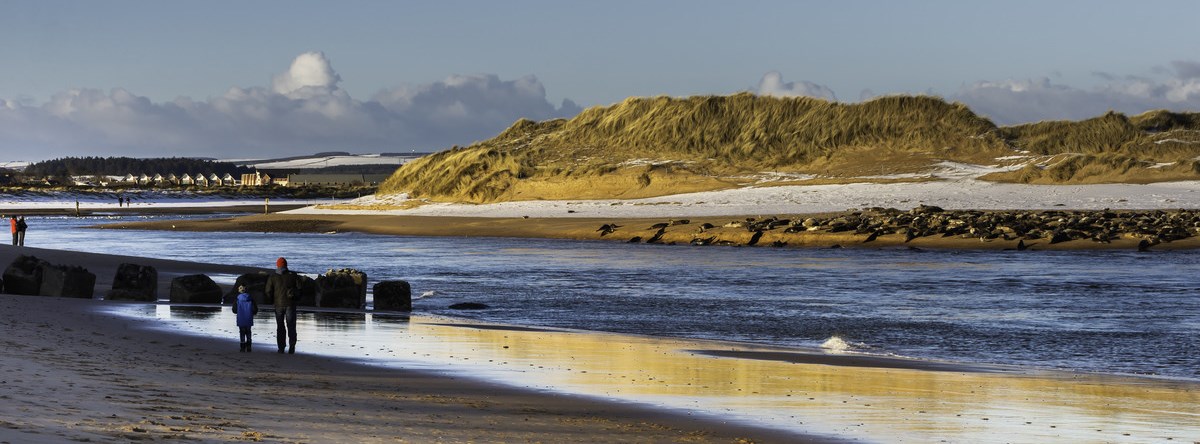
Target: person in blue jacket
245, 308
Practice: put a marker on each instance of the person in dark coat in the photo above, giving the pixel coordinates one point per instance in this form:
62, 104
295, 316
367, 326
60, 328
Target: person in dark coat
245, 308
284, 286
21, 226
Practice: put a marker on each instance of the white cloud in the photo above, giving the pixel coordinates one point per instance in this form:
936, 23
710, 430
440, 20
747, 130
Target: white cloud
309, 70
772, 85
303, 111
1019, 101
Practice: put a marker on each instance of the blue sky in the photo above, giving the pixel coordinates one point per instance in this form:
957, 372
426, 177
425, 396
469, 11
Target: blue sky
204, 78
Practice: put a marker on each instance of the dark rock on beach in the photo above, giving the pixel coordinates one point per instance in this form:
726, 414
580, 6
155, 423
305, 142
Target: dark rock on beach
392, 296
67, 281
255, 283
196, 289
134, 283
308, 292
24, 276
1047, 227
469, 306
345, 288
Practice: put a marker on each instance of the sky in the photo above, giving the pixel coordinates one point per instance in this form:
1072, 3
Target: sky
261, 79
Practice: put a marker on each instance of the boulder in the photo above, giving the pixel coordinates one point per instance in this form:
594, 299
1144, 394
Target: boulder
392, 295
134, 283
67, 281
345, 288
469, 306
24, 276
196, 289
255, 283
308, 292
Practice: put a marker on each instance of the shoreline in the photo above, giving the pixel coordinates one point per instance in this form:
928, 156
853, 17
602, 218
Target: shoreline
581, 228
83, 373
132, 381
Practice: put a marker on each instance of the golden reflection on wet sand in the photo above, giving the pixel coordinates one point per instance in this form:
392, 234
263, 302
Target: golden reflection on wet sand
949, 402
885, 404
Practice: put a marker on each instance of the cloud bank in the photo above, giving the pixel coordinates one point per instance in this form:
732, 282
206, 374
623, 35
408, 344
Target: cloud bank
772, 85
302, 112
1008, 102
1018, 101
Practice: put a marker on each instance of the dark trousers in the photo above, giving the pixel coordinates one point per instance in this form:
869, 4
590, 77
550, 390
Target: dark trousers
21, 238
285, 326
14, 238
244, 334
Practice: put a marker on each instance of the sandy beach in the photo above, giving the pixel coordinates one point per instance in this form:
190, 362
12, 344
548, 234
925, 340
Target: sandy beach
72, 372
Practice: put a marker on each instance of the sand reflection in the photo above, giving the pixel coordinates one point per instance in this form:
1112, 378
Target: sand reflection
883, 400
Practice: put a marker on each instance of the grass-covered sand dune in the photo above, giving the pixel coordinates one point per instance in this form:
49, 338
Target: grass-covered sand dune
645, 147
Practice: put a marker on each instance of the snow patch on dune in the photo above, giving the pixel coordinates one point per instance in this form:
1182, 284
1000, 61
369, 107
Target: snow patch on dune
957, 187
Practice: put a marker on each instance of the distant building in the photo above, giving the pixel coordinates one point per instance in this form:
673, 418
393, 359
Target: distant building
256, 179
187, 179
335, 180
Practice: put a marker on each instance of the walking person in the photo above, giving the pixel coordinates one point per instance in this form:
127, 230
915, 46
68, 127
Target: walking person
245, 308
13, 222
284, 286
21, 227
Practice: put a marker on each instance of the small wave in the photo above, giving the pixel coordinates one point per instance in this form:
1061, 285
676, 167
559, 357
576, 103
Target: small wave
836, 345
426, 294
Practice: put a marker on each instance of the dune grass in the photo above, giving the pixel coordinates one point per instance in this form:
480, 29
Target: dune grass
645, 147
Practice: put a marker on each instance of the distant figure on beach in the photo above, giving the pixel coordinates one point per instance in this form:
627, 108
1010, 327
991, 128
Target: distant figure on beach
284, 286
13, 222
21, 227
120, 201
245, 308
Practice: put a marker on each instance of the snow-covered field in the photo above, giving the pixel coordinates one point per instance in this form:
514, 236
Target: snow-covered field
955, 186
949, 194
329, 161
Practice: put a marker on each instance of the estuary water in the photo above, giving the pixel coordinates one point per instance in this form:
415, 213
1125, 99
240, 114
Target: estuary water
1111, 312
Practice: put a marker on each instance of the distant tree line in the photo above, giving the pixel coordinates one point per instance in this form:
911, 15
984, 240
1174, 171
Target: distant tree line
120, 166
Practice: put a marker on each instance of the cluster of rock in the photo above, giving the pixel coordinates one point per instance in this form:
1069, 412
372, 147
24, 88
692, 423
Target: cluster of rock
1052, 226
28, 275
1049, 226
344, 288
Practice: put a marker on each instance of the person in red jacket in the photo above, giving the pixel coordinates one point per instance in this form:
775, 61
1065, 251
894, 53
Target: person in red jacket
13, 221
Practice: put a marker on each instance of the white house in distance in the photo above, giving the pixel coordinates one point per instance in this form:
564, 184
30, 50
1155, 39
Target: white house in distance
256, 179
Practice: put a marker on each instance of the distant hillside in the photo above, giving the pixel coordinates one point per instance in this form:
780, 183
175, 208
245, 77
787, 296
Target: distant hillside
658, 146
119, 166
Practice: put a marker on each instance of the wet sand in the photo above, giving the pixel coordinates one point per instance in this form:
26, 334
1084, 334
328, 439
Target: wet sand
70, 371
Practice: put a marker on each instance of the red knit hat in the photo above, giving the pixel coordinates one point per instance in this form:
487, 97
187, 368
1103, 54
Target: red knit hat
280, 263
